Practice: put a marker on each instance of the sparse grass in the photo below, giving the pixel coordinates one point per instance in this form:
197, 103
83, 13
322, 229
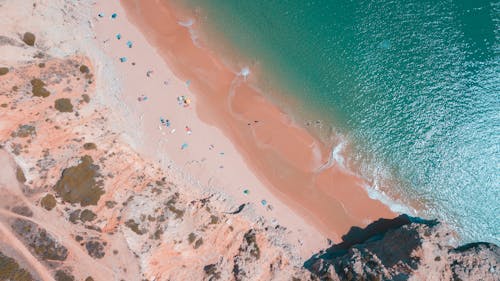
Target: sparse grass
198, 243
191, 237
20, 175
86, 98
48, 202
84, 69
29, 38
63, 276
251, 240
89, 146
38, 88
214, 219
24, 131
87, 215
63, 105
134, 227
178, 212
78, 184
4, 70
10, 270
110, 204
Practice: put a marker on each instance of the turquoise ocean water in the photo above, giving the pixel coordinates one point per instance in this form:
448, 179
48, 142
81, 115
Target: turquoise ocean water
413, 85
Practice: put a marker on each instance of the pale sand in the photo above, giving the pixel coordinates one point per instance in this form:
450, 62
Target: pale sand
199, 164
64, 32
275, 159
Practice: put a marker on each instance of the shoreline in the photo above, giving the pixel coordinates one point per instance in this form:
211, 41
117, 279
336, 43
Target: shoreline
94, 188
284, 156
211, 164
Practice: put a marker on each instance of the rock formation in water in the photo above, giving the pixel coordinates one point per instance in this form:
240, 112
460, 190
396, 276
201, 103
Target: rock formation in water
406, 249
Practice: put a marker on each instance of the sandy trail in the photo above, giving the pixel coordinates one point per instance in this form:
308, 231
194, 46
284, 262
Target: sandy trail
9, 184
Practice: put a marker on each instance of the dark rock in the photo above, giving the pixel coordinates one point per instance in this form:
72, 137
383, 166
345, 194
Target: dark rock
475, 261
401, 249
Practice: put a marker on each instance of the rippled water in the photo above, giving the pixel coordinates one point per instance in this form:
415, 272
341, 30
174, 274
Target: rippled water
415, 85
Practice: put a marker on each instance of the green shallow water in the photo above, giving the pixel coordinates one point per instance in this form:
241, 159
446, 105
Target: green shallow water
414, 85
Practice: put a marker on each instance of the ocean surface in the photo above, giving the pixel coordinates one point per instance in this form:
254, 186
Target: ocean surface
413, 86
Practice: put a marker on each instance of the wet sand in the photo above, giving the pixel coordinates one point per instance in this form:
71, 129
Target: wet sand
286, 158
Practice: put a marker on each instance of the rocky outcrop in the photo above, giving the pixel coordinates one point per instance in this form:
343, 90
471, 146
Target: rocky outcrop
405, 249
83, 203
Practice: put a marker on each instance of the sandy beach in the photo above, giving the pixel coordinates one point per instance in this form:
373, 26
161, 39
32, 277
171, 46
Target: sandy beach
131, 151
264, 151
183, 111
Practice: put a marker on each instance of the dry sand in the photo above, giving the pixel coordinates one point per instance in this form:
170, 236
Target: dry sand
155, 185
264, 150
